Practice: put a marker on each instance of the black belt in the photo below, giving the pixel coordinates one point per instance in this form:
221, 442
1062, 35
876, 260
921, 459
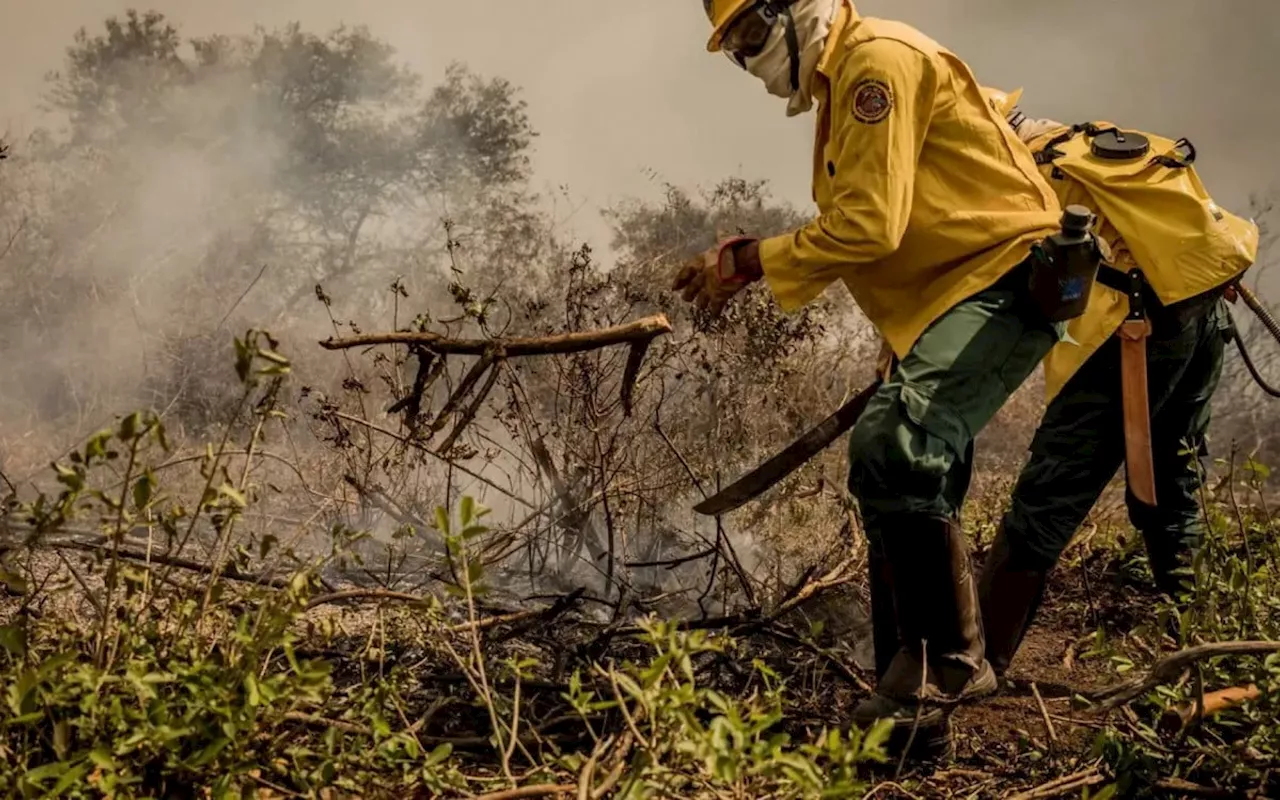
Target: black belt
1178, 313
1113, 278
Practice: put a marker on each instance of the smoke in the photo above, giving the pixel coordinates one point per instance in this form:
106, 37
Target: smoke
120, 235
139, 253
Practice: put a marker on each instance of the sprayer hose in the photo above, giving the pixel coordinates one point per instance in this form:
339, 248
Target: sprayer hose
1255, 305
1269, 322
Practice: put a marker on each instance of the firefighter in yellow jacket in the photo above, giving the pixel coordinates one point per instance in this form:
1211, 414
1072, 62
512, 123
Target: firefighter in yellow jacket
1127, 387
929, 208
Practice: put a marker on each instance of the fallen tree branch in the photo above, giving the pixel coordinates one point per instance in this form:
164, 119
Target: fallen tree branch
1060, 786
485, 623
753, 619
672, 563
835, 663
229, 572
1185, 788
838, 576
644, 329
1176, 719
363, 594
1169, 667
529, 791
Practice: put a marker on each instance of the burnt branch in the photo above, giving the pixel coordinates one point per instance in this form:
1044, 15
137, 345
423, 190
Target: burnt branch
430, 367
632, 371
644, 329
478, 369
469, 413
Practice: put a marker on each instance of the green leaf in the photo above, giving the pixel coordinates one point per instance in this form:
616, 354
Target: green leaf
101, 756
129, 426
274, 357
161, 437
96, 447
244, 360
1261, 470
142, 490
466, 510
233, 494
46, 771
874, 741
61, 735
209, 753
70, 478
14, 640
251, 688
16, 583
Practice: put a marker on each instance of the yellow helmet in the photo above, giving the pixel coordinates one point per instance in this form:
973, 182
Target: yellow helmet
721, 13
1003, 103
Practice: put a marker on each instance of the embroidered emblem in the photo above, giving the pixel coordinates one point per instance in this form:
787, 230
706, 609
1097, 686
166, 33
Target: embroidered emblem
872, 101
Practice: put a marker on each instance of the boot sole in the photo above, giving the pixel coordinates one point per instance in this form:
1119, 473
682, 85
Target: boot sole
933, 741
984, 684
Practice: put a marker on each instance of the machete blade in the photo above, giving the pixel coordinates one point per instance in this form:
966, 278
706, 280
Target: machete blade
789, 459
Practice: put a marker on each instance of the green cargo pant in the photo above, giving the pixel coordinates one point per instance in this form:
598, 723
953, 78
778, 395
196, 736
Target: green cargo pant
911, 451
1079, 445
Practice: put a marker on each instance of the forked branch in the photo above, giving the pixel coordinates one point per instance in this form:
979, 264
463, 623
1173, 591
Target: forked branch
431, 349
644, 329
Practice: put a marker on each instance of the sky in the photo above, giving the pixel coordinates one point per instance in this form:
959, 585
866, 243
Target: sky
625, 96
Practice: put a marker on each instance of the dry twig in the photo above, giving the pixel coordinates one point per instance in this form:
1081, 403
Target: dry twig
530, 791
1060, 786
1169, 667
1044, 712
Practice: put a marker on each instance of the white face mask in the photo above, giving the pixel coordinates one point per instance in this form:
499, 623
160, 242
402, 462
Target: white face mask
772, 65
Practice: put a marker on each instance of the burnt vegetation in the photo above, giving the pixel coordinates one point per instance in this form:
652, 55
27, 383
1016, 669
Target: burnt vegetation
431, 534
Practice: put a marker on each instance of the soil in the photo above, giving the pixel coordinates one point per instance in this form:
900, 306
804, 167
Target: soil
1003, 743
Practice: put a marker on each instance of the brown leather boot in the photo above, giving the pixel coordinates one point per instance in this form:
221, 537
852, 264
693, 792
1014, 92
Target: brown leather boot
938, 617
884, 622
1009, 598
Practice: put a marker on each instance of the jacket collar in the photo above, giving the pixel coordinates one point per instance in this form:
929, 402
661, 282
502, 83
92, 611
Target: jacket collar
845, 18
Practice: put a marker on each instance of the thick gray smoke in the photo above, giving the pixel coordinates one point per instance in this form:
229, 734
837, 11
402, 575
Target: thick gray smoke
186, 189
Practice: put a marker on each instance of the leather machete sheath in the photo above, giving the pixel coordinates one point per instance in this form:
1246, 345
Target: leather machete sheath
1139, 466
790, 458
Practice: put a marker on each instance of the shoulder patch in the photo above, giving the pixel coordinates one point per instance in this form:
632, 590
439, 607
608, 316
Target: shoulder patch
872, 101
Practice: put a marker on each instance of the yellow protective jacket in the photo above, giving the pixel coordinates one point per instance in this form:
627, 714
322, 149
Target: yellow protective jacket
925, 195
1155, 216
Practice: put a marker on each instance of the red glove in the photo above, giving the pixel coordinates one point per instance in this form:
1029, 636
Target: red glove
711, 279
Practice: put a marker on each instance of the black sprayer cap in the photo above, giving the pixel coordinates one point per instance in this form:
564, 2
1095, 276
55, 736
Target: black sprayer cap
1117, 145
1076, 219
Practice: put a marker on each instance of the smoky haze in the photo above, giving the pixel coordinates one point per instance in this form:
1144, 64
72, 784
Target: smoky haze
624, 97
621, 91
